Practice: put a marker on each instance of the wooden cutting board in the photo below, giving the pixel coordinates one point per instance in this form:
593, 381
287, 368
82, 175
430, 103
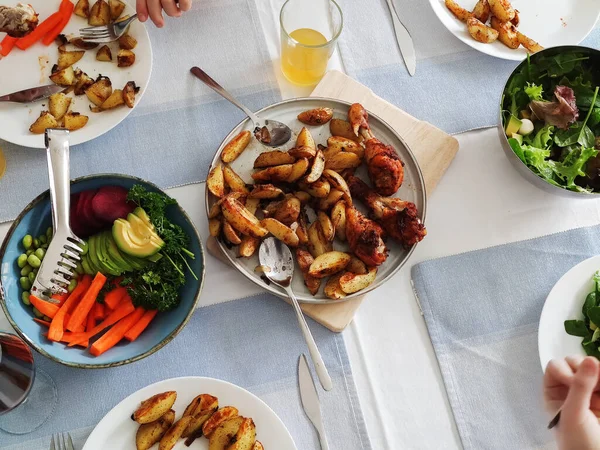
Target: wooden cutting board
433, 149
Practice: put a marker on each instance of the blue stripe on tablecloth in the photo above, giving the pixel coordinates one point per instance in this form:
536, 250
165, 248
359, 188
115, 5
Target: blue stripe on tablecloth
254, 343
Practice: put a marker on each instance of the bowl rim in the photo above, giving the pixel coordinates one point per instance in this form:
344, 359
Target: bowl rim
558, 189
123, 362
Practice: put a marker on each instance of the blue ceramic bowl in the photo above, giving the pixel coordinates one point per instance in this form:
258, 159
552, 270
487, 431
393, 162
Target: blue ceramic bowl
34, 220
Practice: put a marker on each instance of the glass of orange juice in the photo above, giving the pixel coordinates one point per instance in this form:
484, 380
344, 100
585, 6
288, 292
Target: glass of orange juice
309, 31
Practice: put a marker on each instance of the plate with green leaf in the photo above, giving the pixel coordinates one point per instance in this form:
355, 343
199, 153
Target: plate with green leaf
568, 324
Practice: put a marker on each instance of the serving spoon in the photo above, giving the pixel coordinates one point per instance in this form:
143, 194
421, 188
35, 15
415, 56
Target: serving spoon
270, 132
278, 264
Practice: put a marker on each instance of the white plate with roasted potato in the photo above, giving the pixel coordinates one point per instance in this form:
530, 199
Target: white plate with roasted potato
345, 194
91, 105
191, 412
510, 29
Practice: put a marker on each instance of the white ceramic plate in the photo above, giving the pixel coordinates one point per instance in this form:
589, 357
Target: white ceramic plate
31, 68
116, 431
564, 303
549, 22
412, 189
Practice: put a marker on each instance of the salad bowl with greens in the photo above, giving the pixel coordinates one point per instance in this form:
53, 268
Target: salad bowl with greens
550, 117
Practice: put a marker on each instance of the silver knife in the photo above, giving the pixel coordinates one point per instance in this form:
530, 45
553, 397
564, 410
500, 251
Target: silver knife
405, 42
32, 94
310, 399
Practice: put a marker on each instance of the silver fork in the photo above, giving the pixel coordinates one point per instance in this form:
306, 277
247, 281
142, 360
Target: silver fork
106, 33
60, 442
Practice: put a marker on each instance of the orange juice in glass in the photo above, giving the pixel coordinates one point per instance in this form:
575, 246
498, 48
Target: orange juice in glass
309, 31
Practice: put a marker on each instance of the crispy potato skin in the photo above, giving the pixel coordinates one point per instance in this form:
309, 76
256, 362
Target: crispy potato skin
66, 59
98, 92
46, 120
317, 116
129, 92
224, 433
174, 433
241, 219
317, 244
99, 14
64, 77
104, 54
116, 8
502, 9
343, 160
125, 58
258, 446
356, 266
155, 407
115, 99
230, 233
529, 43
127, 42
265, 191
149, 434
329, 263
82, 9
305, 259
275, 173
459, 12
352, 282
233, 180
58, 104
215, 182
305, 139
219, 417
281, 231
273, 158
339, 127
481, 32
333, 289
245, 437
236, 146
299, 168
214, 227
481, 11
75, 121
507, 33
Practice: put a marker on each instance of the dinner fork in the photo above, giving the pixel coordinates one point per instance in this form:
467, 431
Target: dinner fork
60, 442
106, 33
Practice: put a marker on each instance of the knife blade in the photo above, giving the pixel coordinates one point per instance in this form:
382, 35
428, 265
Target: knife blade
32, 94
310, 399
404, 40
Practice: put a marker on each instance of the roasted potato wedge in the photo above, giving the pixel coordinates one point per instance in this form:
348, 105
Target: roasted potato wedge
155, 407
241, 219
46, 120
318, 189
288, 210
82, 83
344, 160
273, 158
236, 146
252, 205
74, 121
215, 182
459, 12
305, 139
233, 180
104, 54
66, 59
302, 152
281, 231
64, 77
333, 289
330, 152
301, 228
353, 282
338, 219
299, 168
316, 170
98, 92
339, 127
305, 259
317, 116
480, 31
356, 266
58, 104
502, 9
507, 33
99, 14
337, 182
265, 191
326, 226
214, 227
224, 433
529, 43
517, 19
218, 418
304, 197
200, 409
275, 173
481, 11
125, 58
82, 9
127, 42
248, 246
329, 263
174, 433
245, 437
149, 434
129, 92
84, 45
230, 234
215, 210
317, 244
258, 446
325, 204
115, 99
343, 144
116, 8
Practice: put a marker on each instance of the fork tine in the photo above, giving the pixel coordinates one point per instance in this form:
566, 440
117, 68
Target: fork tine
96, 28
70, 445
95, 33
103, 40
52, 444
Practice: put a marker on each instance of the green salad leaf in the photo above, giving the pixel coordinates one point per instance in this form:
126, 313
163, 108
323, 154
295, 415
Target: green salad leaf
576, 328
533, 91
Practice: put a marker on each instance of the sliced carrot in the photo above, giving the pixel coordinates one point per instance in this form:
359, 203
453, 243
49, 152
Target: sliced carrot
124, 309
140, 326
113, 298
41, 30
90, 322
46, 308
60, 297
82, 310
41, 322
98, 311
116, 333
67, 337
62, 317
7, 45
66, 9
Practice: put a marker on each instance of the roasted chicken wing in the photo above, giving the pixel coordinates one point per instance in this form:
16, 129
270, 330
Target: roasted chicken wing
399, 218
386, 169
18, 21
365, 238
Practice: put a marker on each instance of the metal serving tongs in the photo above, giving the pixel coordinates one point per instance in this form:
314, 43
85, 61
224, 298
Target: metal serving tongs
60, 261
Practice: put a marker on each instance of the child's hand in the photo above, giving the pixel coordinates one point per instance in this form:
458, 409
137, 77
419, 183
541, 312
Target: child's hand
154, 9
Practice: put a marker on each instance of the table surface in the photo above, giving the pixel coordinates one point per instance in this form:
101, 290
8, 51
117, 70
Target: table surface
396, 373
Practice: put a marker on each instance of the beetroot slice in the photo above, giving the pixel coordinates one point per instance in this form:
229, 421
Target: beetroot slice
73, 219
87, 222
110, 203
87, 211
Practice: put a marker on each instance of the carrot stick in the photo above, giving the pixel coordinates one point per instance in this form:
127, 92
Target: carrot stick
57, 327
27, 41
46, 308
7, 44
140, 326
41, 322
60, 297
98, 311
122, 311
113, 298
66, 9
90, 322
116, 333
67, 337
85, 305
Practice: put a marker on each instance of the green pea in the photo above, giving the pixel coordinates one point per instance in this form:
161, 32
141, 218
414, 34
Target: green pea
22, 260
37, 313
84, 248
31, 277
25, 283
26, 270
29, 252
43, 239
34, 261
72, 285
25, 298
40, 252
27, 241
36, 243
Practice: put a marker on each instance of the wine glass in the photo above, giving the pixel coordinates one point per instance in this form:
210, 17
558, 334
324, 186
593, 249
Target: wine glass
27, 397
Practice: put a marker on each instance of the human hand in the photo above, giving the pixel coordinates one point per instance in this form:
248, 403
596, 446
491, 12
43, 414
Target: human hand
571, 386
154, 9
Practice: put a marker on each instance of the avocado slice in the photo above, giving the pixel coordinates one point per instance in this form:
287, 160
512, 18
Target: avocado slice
141, 213
513, 126
92, 256
116, 256
518, 138
155, 258
142, 231
103, 256
98, 257
128, 241
86, 265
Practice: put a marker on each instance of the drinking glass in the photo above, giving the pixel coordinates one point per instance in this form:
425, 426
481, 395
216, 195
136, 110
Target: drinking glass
309, 32
27, 397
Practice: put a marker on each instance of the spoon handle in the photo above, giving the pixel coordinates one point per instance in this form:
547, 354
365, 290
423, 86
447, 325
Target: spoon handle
315, 355
206, 79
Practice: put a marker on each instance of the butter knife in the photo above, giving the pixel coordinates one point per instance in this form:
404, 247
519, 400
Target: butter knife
404, 40
32, 94
310, 399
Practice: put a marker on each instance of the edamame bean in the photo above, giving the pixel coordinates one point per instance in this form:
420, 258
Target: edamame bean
45, 246
27, 241
26, 270
40, 252
42, 239
35, 271
29, 252
37, 313
25, 283
34, 261
22, 260
36, 243
31, 277
25, 298
72, 285
49, 233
